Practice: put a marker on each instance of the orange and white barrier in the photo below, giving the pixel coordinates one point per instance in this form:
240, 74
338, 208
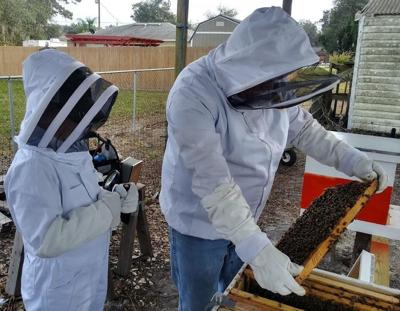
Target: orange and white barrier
378, 217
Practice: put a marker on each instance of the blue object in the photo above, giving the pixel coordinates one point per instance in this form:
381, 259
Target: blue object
99, 158
200, 268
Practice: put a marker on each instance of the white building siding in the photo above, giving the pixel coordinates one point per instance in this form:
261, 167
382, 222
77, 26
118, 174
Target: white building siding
375, 103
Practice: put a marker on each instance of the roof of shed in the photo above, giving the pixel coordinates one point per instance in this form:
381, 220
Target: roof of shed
156, 31
381, 7
232, 19
112, 40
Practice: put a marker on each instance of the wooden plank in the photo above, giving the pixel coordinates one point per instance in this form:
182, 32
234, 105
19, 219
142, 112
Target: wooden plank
110, 284
142, 228
329, 276
386, 231
317, 255
13, 286
264, 303
342, 296
360, 291
126, 244
381, 249
105, 59
136, 224
340, 300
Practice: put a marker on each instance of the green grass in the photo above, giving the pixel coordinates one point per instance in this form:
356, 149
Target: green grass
19, 107
148, 103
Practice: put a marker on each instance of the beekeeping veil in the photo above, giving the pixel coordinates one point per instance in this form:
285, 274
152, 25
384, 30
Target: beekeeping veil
268, 62
65, 101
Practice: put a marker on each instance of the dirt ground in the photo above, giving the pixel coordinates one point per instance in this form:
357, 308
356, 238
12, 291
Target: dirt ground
148, 285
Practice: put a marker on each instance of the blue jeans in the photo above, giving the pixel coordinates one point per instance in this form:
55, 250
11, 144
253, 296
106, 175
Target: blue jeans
200, 268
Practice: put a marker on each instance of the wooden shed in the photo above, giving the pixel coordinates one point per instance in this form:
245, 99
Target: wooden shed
375, 99
213, 31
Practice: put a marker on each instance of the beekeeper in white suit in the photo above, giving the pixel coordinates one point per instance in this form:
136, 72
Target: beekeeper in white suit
52, 188
230, 115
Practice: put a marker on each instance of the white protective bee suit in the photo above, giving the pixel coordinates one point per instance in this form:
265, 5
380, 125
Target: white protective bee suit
52, 188
224, 146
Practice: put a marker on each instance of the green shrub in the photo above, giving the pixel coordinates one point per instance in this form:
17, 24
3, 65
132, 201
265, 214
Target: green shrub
340, 58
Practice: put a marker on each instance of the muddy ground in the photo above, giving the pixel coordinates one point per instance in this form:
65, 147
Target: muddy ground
148, 285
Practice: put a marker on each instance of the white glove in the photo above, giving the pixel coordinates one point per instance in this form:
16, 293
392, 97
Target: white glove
274, 271
113, 202
80, 225
230, 215
368, 170
129, 198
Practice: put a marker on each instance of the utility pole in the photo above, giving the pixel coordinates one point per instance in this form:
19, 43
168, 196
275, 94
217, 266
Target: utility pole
98, 13
287, 6
181, 35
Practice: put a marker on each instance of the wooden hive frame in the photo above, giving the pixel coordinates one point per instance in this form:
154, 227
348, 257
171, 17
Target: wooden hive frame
316, 256
320, 284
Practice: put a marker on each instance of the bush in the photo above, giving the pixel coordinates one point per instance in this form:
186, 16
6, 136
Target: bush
340, 58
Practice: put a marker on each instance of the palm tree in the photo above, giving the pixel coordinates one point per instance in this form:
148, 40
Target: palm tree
84, 25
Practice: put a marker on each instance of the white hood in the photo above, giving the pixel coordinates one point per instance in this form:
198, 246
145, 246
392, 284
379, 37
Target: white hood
267, 44
63, 98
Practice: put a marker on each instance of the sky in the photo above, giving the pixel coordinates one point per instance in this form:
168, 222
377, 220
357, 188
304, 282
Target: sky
119, 11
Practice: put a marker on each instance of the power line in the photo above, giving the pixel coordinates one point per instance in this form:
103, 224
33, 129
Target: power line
105, 8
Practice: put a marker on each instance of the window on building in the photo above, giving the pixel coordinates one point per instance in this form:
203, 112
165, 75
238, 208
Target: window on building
219, 24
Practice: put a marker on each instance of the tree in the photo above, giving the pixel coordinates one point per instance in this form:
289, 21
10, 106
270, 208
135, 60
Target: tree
149, 11
29, 19
312, 31
53, 31
339, 30
222, 10
83, 25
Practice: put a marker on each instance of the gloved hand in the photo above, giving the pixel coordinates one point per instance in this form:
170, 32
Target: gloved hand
113, 201
274, 271
129, 198
230, 215
368, 170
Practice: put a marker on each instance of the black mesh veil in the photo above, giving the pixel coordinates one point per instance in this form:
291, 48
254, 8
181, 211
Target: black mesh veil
286, 91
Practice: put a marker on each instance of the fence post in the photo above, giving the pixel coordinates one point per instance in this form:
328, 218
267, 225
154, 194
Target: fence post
134, 95
11, 102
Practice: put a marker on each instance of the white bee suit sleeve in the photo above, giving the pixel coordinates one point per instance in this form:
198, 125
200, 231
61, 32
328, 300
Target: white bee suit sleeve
230, 215
312, 138
81, 225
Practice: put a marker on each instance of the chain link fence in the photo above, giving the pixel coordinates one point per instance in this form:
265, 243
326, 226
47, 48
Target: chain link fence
136, 126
